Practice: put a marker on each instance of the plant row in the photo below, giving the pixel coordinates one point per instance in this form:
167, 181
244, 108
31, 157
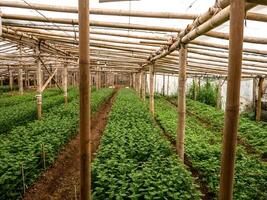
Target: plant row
203, 148
134, 161
6, 88
23, 113
26, 97
25, 145
254, 134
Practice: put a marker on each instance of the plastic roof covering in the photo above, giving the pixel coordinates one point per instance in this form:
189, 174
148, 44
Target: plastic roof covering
181, 6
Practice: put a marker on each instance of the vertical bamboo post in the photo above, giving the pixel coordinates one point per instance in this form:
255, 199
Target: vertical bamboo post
27, 82
231, 119
260, 87
151, 83
144, 85
181, 102
1, 81
85, 95
134, 82
100, 79
39, 83
254, 95
195, 88
96, 78
219, 95
34, 80
20, 81
20, 77
140, 84
11, 80
65, 82
199, 85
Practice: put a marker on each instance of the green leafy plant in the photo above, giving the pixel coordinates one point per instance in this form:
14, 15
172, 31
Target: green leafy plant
23, 146
203, 148
134, 160
206, 93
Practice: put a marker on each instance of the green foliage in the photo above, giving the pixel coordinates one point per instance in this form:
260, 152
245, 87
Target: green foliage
23, 145
26, 97
253, 133
203, 148
134, 160
207, 93
24, 112
6, 88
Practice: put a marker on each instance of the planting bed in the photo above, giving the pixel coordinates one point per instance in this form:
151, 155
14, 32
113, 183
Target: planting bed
134, 160
203, 148
25, 146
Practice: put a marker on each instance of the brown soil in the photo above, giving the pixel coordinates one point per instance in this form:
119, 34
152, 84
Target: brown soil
61, 180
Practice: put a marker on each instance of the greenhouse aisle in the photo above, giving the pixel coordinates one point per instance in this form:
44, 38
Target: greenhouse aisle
61, 181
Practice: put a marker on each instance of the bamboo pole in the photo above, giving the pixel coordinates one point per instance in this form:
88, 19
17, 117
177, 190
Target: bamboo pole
20, 81
254, 95
20, 77
163, 86
92, 23
181, 102
48, 80
65, 82
260, 87
85, 95
134, 81
11, 80
39, 83
144, 85
231, 119
140, 84
151, 83
98, 11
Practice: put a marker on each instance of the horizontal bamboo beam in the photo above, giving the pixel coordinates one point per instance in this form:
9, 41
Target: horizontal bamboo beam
92, 23
116, 12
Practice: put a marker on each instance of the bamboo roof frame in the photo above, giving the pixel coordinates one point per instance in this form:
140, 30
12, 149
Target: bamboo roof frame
139, 49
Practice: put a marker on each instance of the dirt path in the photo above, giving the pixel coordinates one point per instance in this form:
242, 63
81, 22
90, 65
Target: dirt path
61, 181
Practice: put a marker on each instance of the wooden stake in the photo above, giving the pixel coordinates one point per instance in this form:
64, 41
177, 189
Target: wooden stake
151, 83
260, 86
181, 102
231, 119
39, 84
85, 95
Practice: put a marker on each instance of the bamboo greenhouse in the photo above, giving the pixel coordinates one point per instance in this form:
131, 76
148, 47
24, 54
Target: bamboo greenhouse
122, 99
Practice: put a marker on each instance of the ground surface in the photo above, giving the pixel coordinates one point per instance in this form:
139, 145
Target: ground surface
61, 180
